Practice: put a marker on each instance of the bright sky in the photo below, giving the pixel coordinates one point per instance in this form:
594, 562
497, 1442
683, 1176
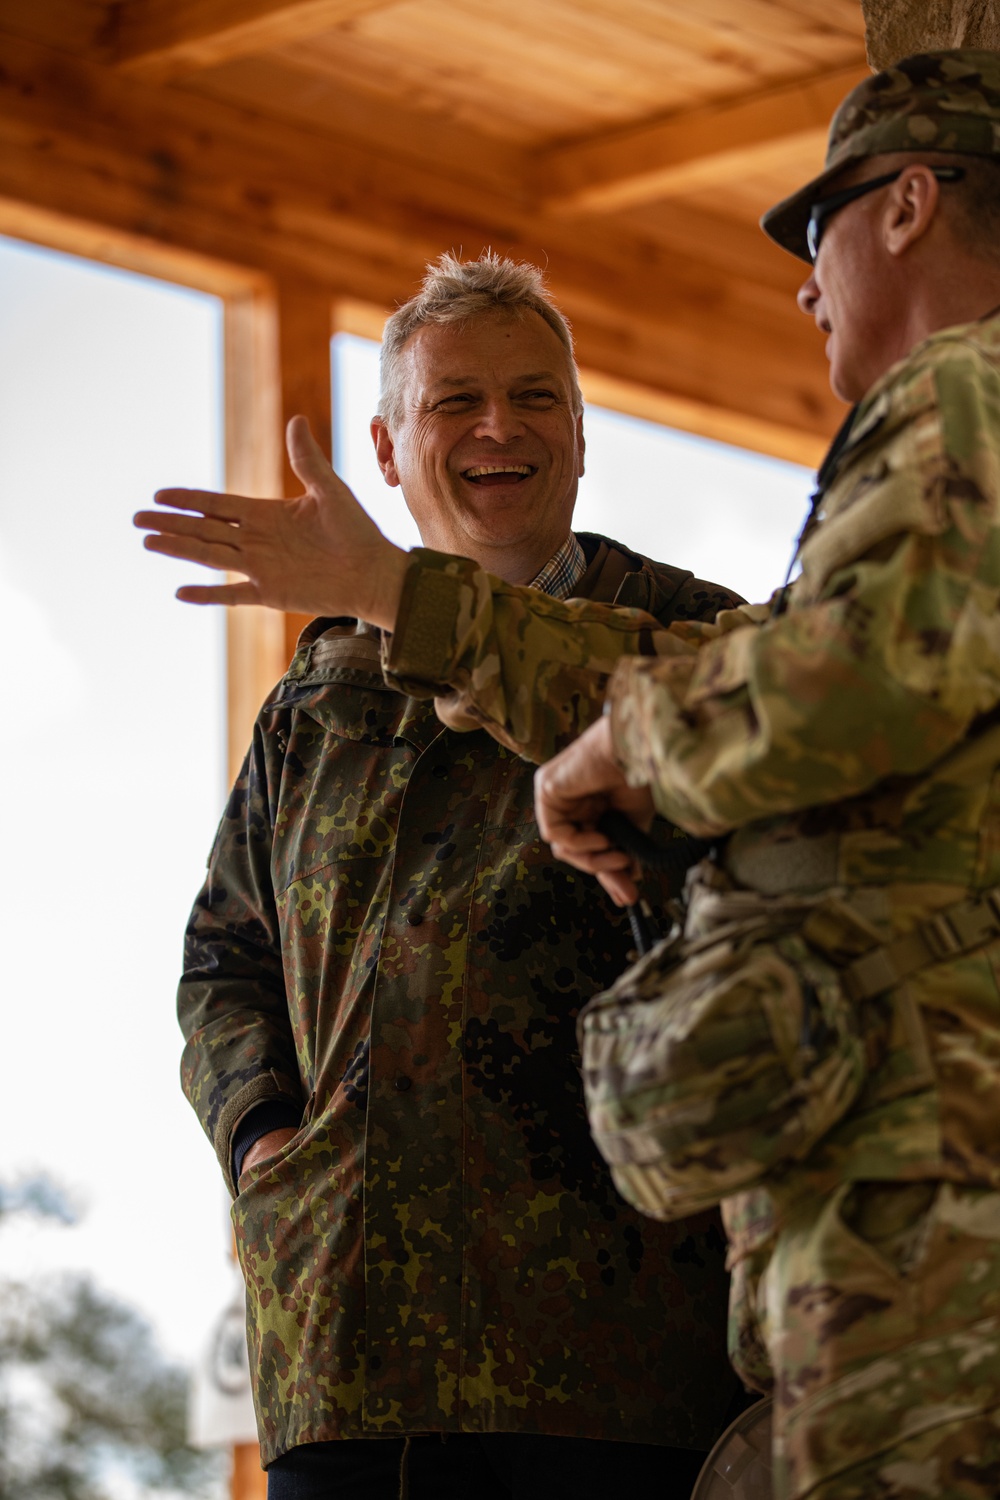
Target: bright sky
112, 755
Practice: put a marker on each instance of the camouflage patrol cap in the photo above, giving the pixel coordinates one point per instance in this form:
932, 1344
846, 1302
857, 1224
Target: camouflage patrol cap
933, 101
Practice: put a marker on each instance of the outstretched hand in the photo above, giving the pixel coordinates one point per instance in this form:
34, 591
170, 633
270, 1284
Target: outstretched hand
319, 554
572, 790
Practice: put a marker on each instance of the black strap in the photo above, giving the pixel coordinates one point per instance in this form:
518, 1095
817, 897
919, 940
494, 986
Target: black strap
824, 476
673, 860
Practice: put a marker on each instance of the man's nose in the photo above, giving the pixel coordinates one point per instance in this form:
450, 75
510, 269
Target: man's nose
808, 295
500, 421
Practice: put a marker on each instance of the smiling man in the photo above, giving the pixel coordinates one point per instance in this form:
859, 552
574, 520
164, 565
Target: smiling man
383, 973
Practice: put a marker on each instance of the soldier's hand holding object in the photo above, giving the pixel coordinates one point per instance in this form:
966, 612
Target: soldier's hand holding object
320, 554
572, 791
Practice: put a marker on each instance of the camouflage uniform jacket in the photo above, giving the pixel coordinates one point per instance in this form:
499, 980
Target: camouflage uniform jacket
851, 741
383, 940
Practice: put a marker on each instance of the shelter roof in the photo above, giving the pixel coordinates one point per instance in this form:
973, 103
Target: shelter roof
627, 145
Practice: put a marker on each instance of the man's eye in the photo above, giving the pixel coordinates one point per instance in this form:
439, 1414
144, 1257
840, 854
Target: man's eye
540, 398
456, 402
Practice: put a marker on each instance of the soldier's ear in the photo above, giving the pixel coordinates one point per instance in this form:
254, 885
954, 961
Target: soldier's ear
385, 450
913, 203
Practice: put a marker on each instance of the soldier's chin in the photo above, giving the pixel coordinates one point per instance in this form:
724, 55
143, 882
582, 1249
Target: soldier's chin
843, 381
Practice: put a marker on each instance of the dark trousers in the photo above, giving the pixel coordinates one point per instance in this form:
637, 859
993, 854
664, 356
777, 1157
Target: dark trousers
486, 1466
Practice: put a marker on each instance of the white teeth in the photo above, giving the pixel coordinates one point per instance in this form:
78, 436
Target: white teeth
497, 469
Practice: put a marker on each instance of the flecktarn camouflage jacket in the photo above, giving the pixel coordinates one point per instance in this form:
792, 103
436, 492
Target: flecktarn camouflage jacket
383, 940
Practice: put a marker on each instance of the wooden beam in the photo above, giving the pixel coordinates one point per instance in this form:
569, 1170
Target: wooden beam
305, 326
255, 637
247, 1480
162, 39
760, 436
115, 246
271, 85
699, 148
277, 364
170, 168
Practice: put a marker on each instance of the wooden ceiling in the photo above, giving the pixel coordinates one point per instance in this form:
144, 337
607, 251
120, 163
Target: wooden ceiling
627, 145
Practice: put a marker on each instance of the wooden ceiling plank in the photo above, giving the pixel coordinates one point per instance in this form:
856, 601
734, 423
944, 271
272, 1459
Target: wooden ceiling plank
178, 169
351, 111
115, 246
798, 398
702, 147
68, 25
842, 15
718, 242
162, 39
173, 153
680, 412
587, 69
811, 28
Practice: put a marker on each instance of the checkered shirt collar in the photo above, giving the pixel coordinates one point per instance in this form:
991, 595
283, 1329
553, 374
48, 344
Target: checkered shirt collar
563, 570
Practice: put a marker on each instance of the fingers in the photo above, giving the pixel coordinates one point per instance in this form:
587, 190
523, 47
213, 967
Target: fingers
203, 527
309, 462
587, 849
572, 791
230, 508
595, 861
219, 593
221, 555
622, 889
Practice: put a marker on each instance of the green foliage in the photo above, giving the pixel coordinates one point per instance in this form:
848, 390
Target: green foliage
89, 1408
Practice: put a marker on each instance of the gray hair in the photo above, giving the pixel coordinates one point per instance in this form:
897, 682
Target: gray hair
456, 291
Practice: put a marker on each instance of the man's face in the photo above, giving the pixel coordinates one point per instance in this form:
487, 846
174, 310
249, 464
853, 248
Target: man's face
488, 450
851, 297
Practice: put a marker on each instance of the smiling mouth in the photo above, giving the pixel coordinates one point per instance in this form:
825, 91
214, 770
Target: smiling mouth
490, 474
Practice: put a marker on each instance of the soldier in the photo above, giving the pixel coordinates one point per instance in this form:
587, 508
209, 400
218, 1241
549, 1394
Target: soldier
383, 973
847, 739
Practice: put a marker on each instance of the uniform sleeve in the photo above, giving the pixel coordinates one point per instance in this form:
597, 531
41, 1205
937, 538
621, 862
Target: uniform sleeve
530, 669
231, 1003
891, 646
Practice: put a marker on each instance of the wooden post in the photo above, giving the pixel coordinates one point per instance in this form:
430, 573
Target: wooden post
277, 363
248, 1480
305, 324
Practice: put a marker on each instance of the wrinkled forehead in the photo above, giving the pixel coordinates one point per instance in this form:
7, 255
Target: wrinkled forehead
493, 348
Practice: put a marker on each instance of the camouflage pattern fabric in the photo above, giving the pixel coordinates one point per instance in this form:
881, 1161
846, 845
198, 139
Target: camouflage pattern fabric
880, 1306
947, 100
501, 656
723, 1055
851, 742
384, 941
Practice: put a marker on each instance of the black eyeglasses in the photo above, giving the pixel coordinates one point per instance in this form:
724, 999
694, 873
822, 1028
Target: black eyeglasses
820, 212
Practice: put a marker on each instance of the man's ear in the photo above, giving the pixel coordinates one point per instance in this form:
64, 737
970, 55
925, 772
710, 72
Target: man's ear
385, 450
913, 203
581, 443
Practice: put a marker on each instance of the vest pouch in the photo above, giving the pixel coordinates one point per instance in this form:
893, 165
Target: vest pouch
711, 1063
